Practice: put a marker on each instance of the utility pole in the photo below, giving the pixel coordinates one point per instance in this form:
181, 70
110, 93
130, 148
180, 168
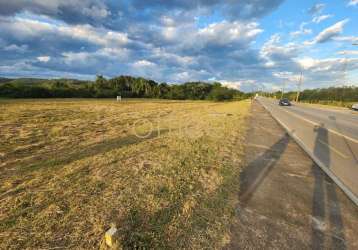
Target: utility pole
252, 91
283, 89
345, 75
299, 87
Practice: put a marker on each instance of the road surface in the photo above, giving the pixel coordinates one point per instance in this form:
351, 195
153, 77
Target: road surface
286, 200
329, 136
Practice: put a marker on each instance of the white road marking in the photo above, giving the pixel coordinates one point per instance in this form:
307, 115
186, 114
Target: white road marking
317, 124
334, 149
325, 168
328, 108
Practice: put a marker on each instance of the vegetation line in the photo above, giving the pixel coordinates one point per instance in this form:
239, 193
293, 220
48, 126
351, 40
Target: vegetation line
335, 96
125, 86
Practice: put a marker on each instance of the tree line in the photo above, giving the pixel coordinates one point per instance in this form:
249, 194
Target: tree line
125, 86
331, 94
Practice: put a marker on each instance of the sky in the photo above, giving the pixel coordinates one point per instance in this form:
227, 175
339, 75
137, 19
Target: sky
245, 44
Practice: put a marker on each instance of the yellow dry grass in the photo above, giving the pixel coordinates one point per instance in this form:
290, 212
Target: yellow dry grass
165, 172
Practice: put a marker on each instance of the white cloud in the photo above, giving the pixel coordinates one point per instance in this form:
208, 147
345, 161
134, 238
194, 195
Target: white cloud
328, 65
71, 57
229, 32
221, 34
13, 47
353, 2
287, 75
306, 62
23, 28
83, 58
95, 12
348, 52
143, 63
351, 39
189, 74
95, 35
170, 33
272, 51
182, 76
167, 21
318, 19
113, 53
240, 84
163, 45
301, 31
162, 55
329, 33
317, 8
44, 58
231, 84
93, 9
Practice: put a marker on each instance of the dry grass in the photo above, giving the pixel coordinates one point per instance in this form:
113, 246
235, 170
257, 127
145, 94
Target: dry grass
69, 168
337, 104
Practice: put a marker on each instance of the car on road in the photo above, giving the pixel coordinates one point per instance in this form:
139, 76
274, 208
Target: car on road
284, 102
355, 106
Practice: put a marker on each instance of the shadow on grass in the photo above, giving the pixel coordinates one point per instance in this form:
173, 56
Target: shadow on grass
96, 149
143, 230
171, 227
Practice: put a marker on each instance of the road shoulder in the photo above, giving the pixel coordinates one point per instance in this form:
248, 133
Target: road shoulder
286, 201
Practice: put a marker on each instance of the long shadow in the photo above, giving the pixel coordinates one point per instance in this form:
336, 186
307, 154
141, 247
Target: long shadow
253, 175
96, 149
333, 118
325, 202
100, 148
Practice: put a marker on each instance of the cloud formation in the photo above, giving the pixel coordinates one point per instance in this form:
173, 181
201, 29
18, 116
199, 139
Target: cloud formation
171, 41
71, 11
353, 3
301, 31
318, 19
317, 8
330, 32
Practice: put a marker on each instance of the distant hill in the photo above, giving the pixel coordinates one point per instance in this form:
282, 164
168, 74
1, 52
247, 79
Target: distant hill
3, 79
27, 81
39, 81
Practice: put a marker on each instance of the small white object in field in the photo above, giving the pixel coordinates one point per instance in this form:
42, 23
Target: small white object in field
112, 238
355, 106
119, 98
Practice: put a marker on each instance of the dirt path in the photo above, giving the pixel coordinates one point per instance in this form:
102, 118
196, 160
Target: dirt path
286, 201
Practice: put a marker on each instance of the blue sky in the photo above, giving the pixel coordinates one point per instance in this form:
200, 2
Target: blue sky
246, 44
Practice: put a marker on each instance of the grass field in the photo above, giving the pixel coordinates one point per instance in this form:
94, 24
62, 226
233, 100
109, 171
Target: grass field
165, 172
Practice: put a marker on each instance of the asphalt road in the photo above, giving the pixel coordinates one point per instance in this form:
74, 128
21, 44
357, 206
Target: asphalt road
328, 135
286, 201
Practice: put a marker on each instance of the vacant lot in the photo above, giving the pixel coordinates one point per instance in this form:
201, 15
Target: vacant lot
165, 172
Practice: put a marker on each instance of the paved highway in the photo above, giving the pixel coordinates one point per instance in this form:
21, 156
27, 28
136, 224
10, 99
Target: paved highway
328, 135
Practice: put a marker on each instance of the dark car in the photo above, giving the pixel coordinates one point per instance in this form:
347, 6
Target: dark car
284, 102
